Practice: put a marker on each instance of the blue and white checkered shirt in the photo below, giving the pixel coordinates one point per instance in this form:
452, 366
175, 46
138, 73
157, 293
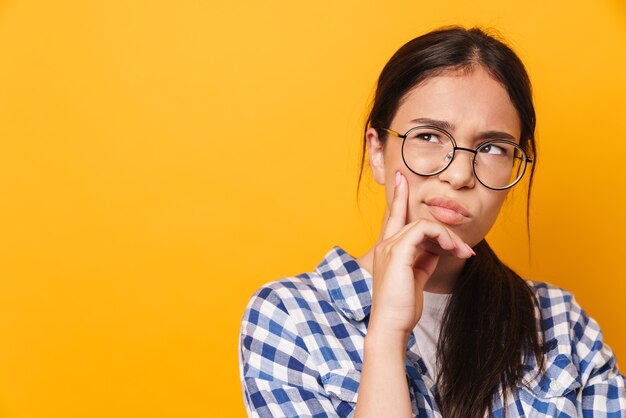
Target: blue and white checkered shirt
301, 352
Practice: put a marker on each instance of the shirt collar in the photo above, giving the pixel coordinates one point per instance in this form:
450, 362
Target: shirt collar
348, 284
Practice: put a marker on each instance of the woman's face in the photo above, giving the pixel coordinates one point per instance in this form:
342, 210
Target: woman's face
470, 106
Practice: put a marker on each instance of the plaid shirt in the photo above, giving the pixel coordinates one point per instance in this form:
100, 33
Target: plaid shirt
301, 352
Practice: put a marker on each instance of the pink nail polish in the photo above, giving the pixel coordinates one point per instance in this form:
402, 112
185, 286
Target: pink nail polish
398, 178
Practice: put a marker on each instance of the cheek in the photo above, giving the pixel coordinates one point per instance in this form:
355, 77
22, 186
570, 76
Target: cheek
416, 195
492, 205
394, 163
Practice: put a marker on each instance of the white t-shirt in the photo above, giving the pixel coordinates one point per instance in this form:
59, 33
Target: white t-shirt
427, 329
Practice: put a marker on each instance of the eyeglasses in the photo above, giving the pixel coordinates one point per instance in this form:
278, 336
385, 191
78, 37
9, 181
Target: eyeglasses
428, 150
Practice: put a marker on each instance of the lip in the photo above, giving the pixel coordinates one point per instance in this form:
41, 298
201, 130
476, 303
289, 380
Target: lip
447, 211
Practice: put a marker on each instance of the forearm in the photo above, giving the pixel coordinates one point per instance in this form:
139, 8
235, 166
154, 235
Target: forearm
383, 390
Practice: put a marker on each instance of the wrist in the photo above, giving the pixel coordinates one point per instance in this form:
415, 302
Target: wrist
391, 325
386, 340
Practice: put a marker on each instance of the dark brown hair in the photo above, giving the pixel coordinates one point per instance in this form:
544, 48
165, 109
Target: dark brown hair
490, 324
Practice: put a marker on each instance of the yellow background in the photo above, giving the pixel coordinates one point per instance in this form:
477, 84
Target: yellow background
160, 160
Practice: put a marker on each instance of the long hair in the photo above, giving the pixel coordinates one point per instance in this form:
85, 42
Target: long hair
489, 326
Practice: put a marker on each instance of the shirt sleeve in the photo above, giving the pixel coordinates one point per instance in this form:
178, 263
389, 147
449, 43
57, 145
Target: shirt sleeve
277, 373
603, 392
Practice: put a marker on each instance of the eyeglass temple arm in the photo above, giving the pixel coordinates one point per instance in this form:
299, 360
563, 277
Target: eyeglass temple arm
392, 132
528, 159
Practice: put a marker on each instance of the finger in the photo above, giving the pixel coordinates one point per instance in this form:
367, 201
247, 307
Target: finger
459, 247
434, 238
434, 247
398, 207
447, 242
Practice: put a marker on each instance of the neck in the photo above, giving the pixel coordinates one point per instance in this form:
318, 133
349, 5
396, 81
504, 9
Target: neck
442, 280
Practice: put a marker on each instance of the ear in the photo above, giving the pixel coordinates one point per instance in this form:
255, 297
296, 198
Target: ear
375, 149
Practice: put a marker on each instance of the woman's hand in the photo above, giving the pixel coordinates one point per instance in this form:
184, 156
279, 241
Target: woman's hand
404, 259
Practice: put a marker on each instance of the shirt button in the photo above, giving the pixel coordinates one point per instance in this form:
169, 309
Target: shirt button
554, 385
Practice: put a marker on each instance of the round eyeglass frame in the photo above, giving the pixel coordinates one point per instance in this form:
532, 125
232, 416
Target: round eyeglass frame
526, 160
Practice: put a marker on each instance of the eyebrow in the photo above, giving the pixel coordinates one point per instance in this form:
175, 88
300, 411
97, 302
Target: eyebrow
441, 124
447, 126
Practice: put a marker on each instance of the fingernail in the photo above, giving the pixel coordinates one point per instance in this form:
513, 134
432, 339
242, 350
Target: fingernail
398, 178
471, 249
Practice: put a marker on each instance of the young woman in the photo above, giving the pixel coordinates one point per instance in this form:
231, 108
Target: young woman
430, 322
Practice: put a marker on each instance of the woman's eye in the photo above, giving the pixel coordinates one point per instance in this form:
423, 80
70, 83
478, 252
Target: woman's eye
493, 149
428, 138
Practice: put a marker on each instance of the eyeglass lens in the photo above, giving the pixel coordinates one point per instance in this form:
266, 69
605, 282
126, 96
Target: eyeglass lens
497, 164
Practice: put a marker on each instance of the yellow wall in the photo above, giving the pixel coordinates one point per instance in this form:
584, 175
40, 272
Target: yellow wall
160, 160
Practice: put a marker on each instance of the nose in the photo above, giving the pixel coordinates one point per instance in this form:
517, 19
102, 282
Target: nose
460, 172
